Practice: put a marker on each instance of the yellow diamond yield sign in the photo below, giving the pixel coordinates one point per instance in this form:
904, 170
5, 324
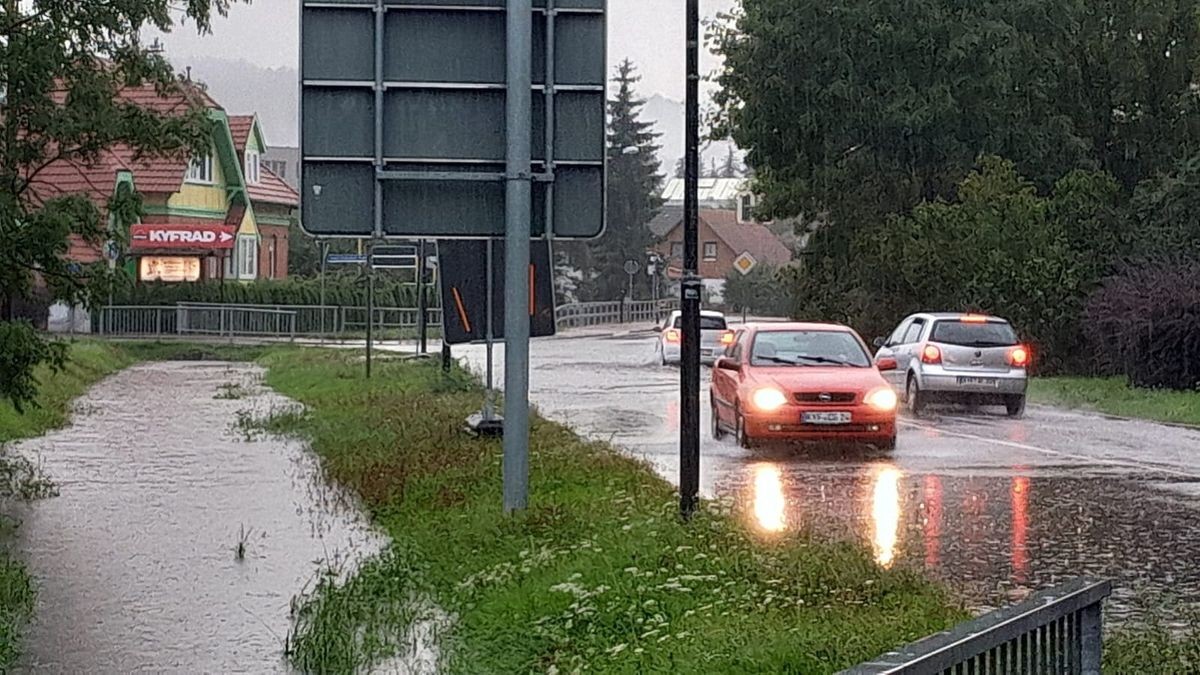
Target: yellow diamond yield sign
744, 263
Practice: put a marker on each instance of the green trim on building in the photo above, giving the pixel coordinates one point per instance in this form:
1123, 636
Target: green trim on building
187, 211
266, 219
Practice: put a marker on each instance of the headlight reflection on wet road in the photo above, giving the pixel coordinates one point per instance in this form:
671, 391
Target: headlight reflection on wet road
885, 514
770, 507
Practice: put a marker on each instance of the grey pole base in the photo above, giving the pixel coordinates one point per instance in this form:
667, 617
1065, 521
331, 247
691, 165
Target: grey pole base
480, 425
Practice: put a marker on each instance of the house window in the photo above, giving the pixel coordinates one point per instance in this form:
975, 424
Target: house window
747, 207
252, 167
200, 169
710, 250
277, 167
246, 256
677, 249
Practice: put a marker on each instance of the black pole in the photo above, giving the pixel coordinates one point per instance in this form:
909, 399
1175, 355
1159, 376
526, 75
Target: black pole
689, 380
370, 303
445, 358
421, 307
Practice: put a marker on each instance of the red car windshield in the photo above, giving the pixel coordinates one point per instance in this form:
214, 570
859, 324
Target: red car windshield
808, 348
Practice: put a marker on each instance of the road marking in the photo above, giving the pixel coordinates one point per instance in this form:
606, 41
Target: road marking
1046, 451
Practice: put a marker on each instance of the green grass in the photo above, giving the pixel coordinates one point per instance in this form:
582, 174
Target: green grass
1113, 396
89, 362
598, 573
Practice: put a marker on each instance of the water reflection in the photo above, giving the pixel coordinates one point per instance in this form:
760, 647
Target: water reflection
1020, 522
932, 521
769, 504
885, 514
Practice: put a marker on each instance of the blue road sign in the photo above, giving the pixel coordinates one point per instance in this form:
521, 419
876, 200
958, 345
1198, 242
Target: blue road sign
345, 259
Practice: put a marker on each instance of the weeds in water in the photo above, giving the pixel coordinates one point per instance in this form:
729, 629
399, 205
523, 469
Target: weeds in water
22, 478
231, 391
239, 551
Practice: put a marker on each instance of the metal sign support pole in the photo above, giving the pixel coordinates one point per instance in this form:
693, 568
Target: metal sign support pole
517, 216
422, 310
370, 307
689, 410
488, 408
324, 249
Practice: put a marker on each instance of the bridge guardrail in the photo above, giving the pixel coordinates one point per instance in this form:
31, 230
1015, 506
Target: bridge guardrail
1056, 632
330, 321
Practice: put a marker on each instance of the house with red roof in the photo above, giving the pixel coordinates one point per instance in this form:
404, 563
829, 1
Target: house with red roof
726, 244
218, 215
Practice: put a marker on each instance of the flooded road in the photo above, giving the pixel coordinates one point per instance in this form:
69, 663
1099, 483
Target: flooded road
994, 507
176, 543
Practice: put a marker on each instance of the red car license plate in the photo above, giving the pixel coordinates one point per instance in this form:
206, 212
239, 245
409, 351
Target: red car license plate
825, 418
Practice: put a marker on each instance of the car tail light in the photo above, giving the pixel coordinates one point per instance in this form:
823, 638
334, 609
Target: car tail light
1018, 357
974, 318
727, 337
672, 336
931, 355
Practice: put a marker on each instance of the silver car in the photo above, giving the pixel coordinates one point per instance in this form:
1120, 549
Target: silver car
956, 356
715, 336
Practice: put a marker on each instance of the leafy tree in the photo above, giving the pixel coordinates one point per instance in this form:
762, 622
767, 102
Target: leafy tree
62, 65
634, 189
756, 292
895, 101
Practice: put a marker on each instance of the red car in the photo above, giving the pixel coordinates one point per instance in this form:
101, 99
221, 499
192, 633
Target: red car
802, 382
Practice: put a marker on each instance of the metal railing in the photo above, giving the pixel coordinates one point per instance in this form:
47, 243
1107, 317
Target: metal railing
234, 320
330, 321
580, 314
1056, 632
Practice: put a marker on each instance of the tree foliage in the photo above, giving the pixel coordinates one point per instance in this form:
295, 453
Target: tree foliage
876, 113
62, 64
633, 197
1146, 322
869, 108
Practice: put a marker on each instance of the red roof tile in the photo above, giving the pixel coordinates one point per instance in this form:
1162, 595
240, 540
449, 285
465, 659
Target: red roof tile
753, 238
241, 126
270, 189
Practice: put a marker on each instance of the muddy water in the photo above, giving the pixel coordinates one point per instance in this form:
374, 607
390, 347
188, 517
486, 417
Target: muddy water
136, 560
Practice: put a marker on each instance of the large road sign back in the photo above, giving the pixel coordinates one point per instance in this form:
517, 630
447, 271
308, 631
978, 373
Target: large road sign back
402, 117
465, 290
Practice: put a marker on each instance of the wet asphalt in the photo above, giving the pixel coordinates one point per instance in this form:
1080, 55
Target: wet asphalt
994, 507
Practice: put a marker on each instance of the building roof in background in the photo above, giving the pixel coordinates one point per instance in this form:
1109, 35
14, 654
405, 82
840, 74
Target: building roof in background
241, 126
667, 218
711, 189
271, 189
753, 238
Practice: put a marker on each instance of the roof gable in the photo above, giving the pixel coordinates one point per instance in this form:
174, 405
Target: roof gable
750, 237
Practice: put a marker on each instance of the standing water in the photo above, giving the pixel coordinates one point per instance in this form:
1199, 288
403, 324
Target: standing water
176, 543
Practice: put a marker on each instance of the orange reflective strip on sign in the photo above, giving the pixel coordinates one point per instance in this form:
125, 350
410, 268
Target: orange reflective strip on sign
462, 311
532, 291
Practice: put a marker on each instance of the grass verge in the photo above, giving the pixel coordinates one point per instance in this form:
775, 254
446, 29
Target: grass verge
597, 574
1114, 396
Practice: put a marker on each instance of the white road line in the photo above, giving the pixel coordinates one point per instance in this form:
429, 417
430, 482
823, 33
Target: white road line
1056, 453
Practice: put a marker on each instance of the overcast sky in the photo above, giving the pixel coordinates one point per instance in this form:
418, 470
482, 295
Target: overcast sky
650, 32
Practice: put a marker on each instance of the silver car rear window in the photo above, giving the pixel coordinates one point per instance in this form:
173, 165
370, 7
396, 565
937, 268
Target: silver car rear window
974, 334
706, 323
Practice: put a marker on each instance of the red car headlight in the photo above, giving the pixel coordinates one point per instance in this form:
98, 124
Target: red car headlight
768, 399
882, 399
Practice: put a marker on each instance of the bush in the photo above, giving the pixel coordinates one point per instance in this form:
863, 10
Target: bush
1145, 323
348, 290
